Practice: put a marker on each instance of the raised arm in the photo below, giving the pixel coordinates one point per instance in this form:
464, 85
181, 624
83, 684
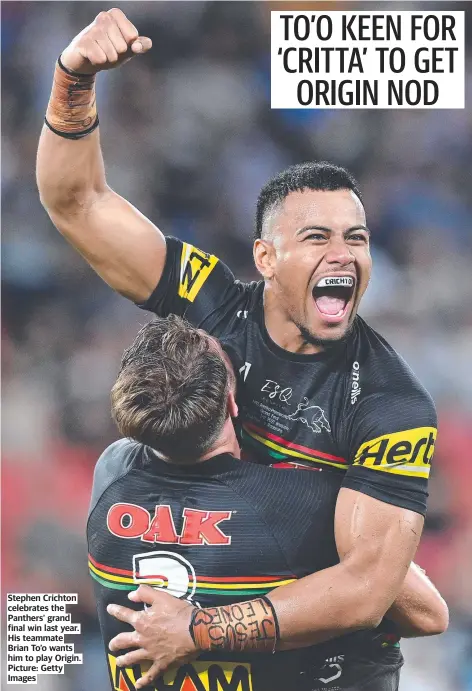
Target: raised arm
123, 246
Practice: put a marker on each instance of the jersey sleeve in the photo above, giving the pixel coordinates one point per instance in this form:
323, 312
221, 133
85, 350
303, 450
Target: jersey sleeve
392, 439
194, 284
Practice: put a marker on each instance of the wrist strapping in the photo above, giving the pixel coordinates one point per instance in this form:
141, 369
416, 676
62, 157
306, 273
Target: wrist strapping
242, 627
72, 108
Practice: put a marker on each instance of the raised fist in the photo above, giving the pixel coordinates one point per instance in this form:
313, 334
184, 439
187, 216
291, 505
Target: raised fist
109, 41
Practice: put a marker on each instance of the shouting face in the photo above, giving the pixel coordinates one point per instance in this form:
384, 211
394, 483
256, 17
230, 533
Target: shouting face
314, 255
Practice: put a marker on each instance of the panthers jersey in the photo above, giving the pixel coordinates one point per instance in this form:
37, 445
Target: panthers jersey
220, 532
355, 408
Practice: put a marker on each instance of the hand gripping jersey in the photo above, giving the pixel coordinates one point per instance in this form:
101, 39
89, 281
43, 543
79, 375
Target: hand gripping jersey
220, 532
356, 408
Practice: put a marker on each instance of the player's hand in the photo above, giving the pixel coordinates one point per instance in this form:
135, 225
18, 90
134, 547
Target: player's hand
161, 632
109, 41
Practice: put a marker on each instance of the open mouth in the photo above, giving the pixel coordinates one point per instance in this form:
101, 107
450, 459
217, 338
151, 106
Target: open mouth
332, 296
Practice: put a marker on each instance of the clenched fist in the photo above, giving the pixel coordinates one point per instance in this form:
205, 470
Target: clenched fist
109, 41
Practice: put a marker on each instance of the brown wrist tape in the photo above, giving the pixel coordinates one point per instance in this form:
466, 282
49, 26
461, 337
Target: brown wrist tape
242, 627
72, 109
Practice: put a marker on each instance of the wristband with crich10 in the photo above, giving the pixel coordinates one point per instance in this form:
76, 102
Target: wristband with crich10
72, 108
250, 626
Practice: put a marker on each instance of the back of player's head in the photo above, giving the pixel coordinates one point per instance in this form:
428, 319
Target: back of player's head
314, 175
172, 390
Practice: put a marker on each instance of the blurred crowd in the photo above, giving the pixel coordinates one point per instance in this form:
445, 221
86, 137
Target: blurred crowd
189, 138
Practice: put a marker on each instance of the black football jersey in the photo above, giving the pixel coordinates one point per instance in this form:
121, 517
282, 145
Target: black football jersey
219, 532
355, 408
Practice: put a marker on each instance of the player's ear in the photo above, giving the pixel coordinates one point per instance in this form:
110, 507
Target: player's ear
264, 257
232, 405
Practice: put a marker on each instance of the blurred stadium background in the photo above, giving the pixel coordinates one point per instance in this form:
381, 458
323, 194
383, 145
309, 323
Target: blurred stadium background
189, 138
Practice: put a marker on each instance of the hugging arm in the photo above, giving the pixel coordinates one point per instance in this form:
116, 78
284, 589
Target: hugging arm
419, 609
376, 541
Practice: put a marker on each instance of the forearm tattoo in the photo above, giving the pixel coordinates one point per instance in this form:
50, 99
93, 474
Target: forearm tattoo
241, 627
72, 109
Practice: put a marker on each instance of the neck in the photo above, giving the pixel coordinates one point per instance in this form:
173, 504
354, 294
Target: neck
226, 443
282, 330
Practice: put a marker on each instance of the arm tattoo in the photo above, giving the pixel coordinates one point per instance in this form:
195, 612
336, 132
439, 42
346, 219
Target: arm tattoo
241, 627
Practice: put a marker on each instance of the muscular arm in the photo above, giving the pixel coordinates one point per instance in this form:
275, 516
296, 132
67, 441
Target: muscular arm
123, 246
373, 539
376, 543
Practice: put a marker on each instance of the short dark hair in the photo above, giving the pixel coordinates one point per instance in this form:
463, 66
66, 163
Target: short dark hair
313, 175
171, 391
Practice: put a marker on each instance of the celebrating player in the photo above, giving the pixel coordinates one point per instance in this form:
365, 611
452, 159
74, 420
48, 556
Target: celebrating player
317, 386
176, 503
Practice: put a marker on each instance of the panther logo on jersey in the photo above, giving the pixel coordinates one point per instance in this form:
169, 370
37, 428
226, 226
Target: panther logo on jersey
311, 415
